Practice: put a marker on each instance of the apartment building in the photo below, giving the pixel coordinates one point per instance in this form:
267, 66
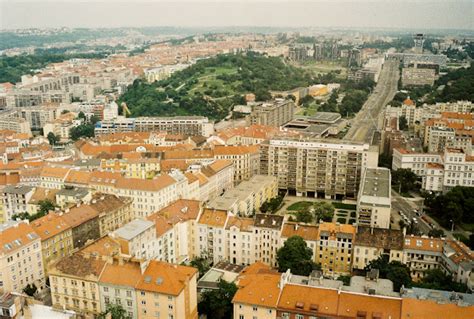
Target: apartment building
272, 113
310, 234
458, 260
317, 168
266, 294
16, 124
113, 211
370, 243
117, 283
247, 197
458, 169
137, 239
38, 116
421, 254
167, 291
239, 241
439, 138
374, 201
414, 161
210, 235
15, 199
434, 177
176, 229
245, 159
335, 247
267, 230
53, 177
20, 257
56, 238
187, 125
150, 195
419, 75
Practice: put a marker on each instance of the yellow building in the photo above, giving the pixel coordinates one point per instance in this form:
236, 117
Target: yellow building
334, 248
56, 238
167, 291
3, 215
114, 211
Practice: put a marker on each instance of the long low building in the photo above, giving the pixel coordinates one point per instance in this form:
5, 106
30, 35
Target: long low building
189, 125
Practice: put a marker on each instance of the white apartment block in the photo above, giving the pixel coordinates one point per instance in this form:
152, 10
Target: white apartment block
138, 239
15, 199
267, 232
330, 169
458, 169
414, 161
21, 262
211, 235
374, 199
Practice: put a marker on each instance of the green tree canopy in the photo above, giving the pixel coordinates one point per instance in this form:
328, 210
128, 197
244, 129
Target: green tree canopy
83, 130
395, 271
297, 256
116, 311
323, 211
52, 138
217, 303
405, 179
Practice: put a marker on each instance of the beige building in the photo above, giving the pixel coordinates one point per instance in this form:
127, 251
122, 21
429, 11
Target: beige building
137, 239
371, 243
167, 291
247, 197
245, 159
317, 168
273, 113
335, 247
20, 257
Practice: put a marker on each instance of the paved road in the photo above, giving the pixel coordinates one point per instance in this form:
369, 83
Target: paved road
407, 206
370, 117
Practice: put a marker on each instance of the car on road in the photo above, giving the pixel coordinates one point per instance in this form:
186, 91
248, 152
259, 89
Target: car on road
415, 220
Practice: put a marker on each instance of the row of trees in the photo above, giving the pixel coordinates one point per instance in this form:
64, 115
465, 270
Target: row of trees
316, 212
45, 206
456, 206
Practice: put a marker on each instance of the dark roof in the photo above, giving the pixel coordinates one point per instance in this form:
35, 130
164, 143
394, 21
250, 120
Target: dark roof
379, 237
268, 221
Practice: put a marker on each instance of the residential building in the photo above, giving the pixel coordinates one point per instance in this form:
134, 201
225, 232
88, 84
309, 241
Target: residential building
267, 231
419, 74
15, 199
176, 229
137, 239
56, 238
421, 254
70, 196
188, 125
167, 291
458, 169
273, 113
53, 177
21, 263
374, 202
370, 243
244, 158
316, 168
416, 162
240, 245
335, 248
117, 283
210, 235
247, 197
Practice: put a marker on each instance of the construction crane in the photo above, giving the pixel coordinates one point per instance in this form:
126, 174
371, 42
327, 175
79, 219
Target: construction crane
125, 109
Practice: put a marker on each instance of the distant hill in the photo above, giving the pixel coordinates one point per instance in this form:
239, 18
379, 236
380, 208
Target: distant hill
211, 86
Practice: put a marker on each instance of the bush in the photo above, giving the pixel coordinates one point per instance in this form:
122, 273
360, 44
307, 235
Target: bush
339, 205
341, 220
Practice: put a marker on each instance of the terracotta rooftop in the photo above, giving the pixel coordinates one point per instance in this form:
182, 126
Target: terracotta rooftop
49, 226
119, 273
213, 218
149, 185
169, 279
243, 224
423, 243
307, 232
16, 236
380, 238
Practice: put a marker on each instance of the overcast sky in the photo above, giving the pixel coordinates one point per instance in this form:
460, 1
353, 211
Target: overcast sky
439, 14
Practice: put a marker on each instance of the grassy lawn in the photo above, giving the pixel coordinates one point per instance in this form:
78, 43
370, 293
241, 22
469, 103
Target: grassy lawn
300, 205
344, 206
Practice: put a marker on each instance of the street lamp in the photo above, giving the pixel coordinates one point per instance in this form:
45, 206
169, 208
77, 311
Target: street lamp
452, 225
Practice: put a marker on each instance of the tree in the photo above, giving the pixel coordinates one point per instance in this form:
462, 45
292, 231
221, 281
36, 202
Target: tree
437, 279
395, 271
83, 130
52, 138
304, 216
323, 211
81, 115
217, 303
437, 233
116, 311
402, 123
30, 290
455, 206
405, 179
296, 255
202, 264
94, 119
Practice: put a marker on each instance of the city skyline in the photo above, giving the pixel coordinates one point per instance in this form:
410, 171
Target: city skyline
454, 14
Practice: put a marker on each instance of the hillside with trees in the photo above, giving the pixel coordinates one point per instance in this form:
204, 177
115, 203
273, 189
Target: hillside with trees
211, 86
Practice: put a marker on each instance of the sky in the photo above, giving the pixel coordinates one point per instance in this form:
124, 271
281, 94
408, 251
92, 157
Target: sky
411, 14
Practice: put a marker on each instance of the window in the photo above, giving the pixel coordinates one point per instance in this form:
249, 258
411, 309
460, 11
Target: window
298, 316
255, 308
241, 317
